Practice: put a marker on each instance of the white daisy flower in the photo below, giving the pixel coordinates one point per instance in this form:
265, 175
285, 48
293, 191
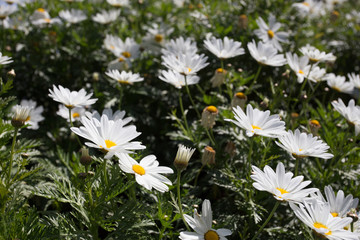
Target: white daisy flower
114, 116
339, 204
126, 78
5, 59
317, 74
105, 17
71, 99
266, 54
180, 46
281, 184
355, 79
118, 3
310, 8
188, 64
76, 113
35, 114
202, 225
317, 216
298, 65
72, 16
124, 50
42, 17
339, 83
303, 145
350, 112
178, 80
183, 156
6, 10
224, 49
156, 37
257, 122
269, 33
108, 135
315, 55
147, 172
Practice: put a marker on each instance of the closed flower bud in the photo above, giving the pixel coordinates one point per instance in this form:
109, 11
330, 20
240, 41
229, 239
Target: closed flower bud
219, 77
239, 99
314, 126
264, 103
353, 215
85, 158
183, 156
11, 74
208, 156
21, 115
230, 149
208, 117
243, 22
96, 76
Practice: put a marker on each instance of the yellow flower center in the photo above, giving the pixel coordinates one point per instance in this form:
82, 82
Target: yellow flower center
126, 54
320, 225
255, 127
300, 149
159, 38
189, 69
123, 82
334, 214
306, 4
138, 169
75, 115
212, 109
270, 33
40, 10
48, 20
109, 143
219, 70
282, 190
120, 59
337, 89
112, 47
313, 60
315, 122
211, 235
27, 119
240, 95
301, 72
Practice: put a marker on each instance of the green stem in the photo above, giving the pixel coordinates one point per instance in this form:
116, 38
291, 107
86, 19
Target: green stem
184, 116
179, 200
296, 166
191, 100
267, 220
121, 94
210, 137
254, 80
105, 175
72, 125
12, 154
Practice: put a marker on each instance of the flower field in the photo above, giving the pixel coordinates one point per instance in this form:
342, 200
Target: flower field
180, 119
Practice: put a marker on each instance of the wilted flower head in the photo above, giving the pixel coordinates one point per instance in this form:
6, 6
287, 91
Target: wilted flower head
183, 156
21, 114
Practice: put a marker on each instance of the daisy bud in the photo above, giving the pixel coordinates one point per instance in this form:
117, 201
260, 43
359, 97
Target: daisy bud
21, 115
183, 156
243, 22
11, 74
334, 15
95, 76
264, 103
208, 117
314, 126
239, 99
353, 215
85, 158
218, 78
208, 156
230, 149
